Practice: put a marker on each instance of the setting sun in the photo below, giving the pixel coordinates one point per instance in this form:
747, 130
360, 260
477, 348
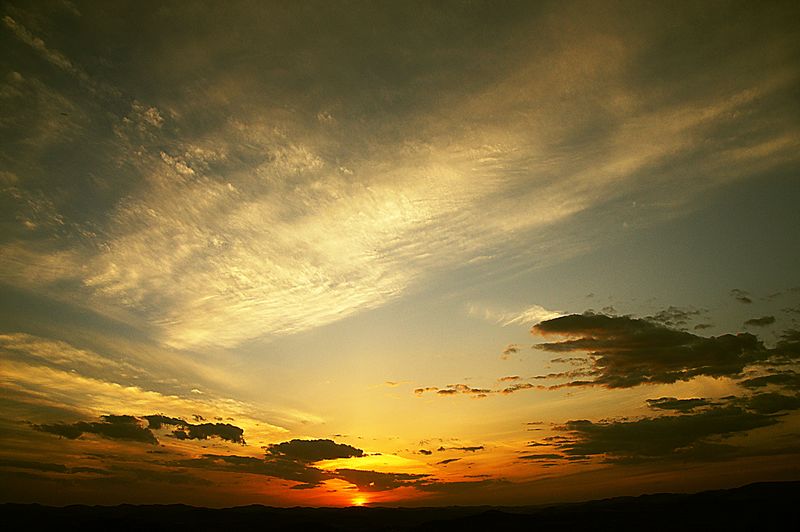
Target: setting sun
358, 501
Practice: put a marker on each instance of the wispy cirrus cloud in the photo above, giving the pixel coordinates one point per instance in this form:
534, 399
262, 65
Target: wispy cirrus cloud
254, 222
40, 392
529, 316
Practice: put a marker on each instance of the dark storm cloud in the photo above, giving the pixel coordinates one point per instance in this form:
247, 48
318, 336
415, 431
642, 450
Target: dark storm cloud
629, 351
760, 322
426, 452
687, 436
678, 405
313, 450
447, 461
741, 296
112, 427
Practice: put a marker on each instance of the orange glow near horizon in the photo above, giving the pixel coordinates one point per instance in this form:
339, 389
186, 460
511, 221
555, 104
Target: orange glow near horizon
359, 500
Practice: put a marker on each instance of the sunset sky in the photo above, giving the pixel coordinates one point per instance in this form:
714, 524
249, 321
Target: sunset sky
407, 253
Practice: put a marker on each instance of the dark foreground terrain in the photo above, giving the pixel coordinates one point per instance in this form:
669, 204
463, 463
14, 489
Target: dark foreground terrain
762, 506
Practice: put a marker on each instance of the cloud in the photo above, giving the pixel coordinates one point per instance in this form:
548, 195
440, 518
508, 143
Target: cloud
466, 449
533, 314
517, 387
203, 431
293, 460
530, 315
786, 379
33, 465
58, 353
377, 481
37, 387
307, 476
287, 226
57, 58
788, 347
542, 456
455, 389
628, 351
624, 351
313, 450
53, 56
688, 436
112, 427
510, 349
447, 461
741, 296
127, 427
426, 452
679, 405
462, 487
760, 322
675, 317
156, 421
772, 403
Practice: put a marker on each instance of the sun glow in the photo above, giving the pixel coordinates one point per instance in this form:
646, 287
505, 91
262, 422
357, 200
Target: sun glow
359, 500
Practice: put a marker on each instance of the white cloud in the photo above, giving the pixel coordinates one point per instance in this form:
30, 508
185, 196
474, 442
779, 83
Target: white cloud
529, 316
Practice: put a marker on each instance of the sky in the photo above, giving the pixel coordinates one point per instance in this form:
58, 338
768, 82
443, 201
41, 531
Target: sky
397, 253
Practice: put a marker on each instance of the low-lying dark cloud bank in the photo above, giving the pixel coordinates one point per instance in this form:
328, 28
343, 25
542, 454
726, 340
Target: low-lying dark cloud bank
698, 430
